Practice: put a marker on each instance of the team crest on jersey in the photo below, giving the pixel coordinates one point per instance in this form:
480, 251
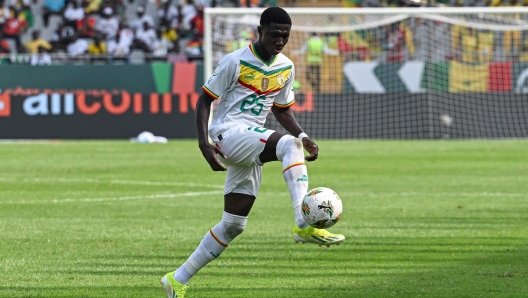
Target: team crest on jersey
264, 84
280, 80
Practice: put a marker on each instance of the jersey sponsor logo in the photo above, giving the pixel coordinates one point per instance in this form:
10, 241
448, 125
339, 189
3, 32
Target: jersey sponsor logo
264, 84
250, 76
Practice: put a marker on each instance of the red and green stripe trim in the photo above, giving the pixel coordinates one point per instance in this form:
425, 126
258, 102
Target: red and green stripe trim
293, 165
284, 106
256, 90
209, 92
216, 238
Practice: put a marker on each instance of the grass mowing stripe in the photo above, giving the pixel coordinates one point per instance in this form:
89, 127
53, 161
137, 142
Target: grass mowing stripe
83, 180
126, 198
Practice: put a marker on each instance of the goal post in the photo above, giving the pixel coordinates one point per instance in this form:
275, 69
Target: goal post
397, 73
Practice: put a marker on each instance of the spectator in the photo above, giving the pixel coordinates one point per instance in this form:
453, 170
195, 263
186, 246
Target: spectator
4, 14
13, 27
97, 47
164, 46
141, 18
168, 14
523, 53
61, 37
194, 48
188, 11
400, 39
108, 25
86, 26
123, 43
314, 48
116, 5
33, 46
52, 7
469, 45
40, 58
353, 46
197, 23
77, 46
4, 45
91, 6
146, 38
171, 36
485, 45
73, 14
24, 6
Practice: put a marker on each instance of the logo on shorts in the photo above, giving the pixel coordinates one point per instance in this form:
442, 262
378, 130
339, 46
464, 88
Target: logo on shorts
280, 80
303, 178
264, 84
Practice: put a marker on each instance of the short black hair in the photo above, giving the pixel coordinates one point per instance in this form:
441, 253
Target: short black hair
275, 15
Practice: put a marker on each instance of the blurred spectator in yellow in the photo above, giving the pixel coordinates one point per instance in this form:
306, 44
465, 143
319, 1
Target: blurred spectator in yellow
523, 52
91, 6
97, 46
36, 43
486, 40
512, 37
469, 45
314, 49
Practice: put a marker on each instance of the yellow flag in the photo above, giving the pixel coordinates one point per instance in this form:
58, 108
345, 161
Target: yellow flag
468, 78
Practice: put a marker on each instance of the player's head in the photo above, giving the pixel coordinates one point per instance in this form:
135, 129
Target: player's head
274, 29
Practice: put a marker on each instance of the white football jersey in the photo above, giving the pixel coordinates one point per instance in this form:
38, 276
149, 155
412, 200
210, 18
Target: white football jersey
247, 88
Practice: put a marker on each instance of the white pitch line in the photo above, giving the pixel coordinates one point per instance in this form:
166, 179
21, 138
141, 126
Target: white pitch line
113, 181
126, 198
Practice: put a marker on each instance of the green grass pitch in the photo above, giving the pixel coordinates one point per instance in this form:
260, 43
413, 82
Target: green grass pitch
110, 218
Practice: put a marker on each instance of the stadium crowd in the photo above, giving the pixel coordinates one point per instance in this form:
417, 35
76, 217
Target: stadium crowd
110, 30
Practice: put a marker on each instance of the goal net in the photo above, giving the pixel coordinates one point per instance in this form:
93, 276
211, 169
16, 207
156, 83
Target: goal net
404, 73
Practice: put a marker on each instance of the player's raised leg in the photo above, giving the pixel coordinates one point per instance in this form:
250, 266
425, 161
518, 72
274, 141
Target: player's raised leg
289, 150
212, 245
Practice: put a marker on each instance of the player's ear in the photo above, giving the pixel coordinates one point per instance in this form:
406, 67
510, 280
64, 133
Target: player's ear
259, 30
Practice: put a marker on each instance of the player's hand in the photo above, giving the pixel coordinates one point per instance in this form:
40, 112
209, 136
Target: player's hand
209, 152
312, 148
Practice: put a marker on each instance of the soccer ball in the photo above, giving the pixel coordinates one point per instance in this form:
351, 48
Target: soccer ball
321, 207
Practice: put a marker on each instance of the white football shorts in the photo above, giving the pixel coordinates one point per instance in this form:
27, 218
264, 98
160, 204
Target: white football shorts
242, 145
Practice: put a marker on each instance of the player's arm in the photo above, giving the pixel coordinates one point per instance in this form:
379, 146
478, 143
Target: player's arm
286, 118
209, 151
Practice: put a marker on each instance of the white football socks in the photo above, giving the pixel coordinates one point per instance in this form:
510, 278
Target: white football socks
290, 152
211, 246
